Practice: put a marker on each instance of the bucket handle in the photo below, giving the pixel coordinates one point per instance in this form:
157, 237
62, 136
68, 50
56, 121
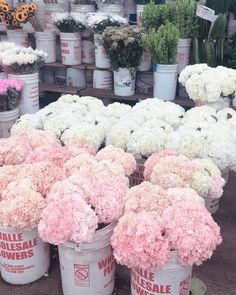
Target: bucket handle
79, 247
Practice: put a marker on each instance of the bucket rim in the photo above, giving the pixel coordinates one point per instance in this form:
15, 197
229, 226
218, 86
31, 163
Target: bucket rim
15, 111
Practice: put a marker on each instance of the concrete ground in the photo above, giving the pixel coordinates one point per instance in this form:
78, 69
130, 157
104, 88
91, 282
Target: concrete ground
219, 273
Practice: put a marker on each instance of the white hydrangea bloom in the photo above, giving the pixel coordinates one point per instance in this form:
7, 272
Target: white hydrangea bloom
26, 122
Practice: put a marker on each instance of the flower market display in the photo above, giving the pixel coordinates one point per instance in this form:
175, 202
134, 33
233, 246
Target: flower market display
117, 138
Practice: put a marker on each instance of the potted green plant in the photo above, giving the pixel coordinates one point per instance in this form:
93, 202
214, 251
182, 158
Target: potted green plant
182, 13
162, 44
141, 4
124, 48
98, 22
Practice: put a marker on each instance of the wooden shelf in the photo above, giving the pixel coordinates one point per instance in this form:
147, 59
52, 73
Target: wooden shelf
59, 88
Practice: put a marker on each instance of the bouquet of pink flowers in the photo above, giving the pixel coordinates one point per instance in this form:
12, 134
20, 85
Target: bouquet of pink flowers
10, 94
170, 170
145, 239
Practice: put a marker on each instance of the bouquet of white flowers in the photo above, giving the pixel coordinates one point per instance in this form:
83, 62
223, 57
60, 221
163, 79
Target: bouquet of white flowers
21, 60
69, 22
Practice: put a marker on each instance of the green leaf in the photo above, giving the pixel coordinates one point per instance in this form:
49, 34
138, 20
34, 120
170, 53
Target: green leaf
198, 287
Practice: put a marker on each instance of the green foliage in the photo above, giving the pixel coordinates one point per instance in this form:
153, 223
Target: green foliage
123, 45
100, 27
198, 287
162, 43
182, 13
230, 53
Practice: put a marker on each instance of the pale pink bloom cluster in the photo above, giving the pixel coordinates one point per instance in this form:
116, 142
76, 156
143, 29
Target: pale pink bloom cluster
145, 239
6, 84
7, 175
36, 138
170, 170
117, 155
191, 231
58, 155
153, 160
76, 148
67, 217
21, 206
139, 241
152, 197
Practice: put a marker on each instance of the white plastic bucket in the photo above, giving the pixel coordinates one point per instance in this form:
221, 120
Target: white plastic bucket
89, 79
19, 37
88, 269
146, 60
101, 59
3, 76
102, 79
76, 78
24, 257
113, 8
87, 33
40, 15
130, 7
7, 120
212, 205
124, 82
71, 48
144, 82
49, 10
232, 25
30, 95
183, 53
140, 9
46, 41
88, 52
82, 8
165, 81
173, 279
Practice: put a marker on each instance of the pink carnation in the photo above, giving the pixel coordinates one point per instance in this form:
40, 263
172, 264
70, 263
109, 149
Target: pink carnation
108, 198
43, 175
139, 241
153, 160
58, 155
76, 148
191, 231
148, 197
67, 218
37, 138
21, 206
118, 156
12, 153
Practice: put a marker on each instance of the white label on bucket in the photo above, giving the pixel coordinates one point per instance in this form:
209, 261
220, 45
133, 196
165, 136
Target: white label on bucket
81, 275
205, 12
171, 281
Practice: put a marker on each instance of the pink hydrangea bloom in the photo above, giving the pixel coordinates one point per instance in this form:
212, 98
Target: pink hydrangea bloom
12, 153
21, 205
173, 171
191, 231
82, 163
37, 138
76, 148
67, 217
43, 175
153, 160
7, 175
108, 198
183, 194
58, 155
139, 241
118, 156
148, 197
